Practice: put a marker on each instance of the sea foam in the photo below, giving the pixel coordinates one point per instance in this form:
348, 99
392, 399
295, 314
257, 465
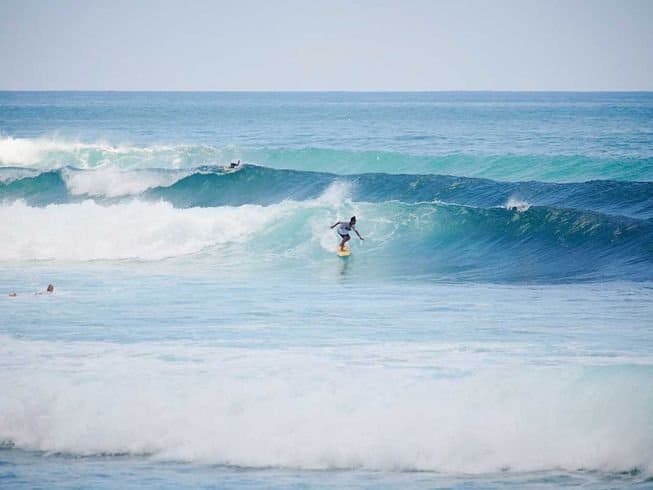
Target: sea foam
52, 152
113, 182
155, 230
133, 230
380, 407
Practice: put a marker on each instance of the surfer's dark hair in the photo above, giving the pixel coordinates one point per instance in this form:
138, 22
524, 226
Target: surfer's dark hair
353, 218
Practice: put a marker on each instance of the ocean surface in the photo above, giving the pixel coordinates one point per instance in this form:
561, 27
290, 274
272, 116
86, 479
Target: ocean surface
493, 330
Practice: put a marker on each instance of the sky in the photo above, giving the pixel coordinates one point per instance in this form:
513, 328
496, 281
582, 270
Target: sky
357, 45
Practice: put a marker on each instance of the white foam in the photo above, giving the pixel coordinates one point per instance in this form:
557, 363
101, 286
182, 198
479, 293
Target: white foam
318, 408
520, 205
113, 182
157, 230
53, 153
31, 151
134, 230
337, 194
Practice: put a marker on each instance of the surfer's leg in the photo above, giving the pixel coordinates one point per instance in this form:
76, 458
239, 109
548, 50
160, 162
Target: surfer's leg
345, 239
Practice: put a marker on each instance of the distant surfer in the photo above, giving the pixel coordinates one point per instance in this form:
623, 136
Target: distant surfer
48, 290
234, 164
344, 227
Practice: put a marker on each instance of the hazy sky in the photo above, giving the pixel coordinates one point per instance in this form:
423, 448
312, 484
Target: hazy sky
328, 45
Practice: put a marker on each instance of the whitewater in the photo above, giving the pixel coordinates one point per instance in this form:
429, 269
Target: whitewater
492, 330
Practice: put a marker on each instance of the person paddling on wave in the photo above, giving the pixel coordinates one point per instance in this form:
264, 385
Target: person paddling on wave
344, 229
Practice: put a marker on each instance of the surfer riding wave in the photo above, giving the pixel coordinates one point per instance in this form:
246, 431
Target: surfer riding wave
344, 227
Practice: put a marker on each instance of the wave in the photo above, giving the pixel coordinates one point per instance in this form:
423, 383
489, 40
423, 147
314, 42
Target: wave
210, 186
311, 408
264, 186
52, 153
511, 167
540, 244
112, 182
86, 231
423, 240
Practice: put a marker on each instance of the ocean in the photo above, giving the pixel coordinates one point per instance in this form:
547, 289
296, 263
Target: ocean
494, 329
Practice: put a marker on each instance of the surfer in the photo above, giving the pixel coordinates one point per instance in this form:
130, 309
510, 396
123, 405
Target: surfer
344, 227
234, 164
49, 290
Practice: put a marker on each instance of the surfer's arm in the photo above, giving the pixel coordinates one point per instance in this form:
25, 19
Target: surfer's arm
336, 224
359, 235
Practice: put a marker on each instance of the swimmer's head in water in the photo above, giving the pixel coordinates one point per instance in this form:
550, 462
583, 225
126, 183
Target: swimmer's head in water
50, 288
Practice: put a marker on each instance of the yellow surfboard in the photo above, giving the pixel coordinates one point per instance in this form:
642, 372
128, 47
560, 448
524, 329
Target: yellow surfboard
343, 253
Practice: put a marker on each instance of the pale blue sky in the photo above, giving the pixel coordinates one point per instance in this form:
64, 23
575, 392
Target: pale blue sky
330, 45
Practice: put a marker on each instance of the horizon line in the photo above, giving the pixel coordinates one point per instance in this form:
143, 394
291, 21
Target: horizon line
333, 91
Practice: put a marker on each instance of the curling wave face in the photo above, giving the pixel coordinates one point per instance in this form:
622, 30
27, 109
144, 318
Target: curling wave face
289, 217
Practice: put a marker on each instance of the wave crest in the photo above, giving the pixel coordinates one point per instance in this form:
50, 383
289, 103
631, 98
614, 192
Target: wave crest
52, 153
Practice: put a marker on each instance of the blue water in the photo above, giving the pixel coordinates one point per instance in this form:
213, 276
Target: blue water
494, 329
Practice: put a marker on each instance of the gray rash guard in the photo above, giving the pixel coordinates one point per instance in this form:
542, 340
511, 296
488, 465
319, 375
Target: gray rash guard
344, 229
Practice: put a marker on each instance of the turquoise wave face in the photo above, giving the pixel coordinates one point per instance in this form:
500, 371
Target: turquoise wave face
441, 227
510, 167
213, 186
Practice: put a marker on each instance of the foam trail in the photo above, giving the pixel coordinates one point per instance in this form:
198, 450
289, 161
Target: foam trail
316, 408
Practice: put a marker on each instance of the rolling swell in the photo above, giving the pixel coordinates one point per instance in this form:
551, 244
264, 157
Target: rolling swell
210, 187
250, 185
434, 226
401, 155
41, 190
507, 167
431, 241
261, 185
